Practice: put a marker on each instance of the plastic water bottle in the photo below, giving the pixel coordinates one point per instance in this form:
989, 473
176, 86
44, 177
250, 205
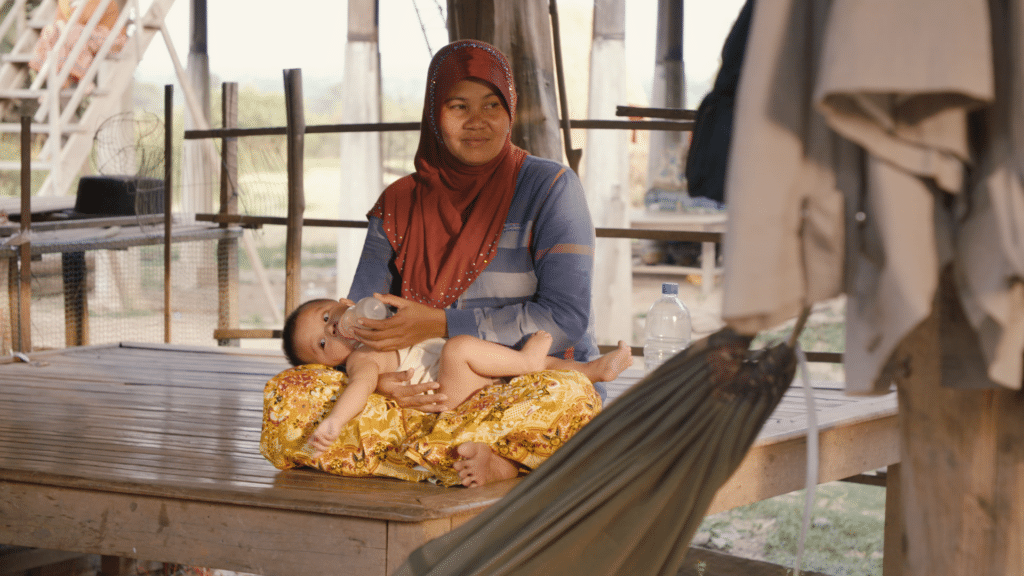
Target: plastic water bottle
368, 307
667, 330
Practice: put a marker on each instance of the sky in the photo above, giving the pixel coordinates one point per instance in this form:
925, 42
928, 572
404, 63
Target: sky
262, 40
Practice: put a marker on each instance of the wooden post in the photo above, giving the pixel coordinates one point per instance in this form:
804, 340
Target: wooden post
168, 197
296, 128
227, 248
667, 152
606, 174
522, 31
25, 250
361, 165
962, 468
198, 167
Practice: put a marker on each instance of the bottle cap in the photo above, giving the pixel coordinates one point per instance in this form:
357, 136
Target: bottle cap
669, 288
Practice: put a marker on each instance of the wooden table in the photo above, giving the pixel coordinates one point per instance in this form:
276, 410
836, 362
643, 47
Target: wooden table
150, 451
72, 238
709, 269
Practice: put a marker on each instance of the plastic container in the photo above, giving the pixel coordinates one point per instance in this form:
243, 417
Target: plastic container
368, 307
667, 330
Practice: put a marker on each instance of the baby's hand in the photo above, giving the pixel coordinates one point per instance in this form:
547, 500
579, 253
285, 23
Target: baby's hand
324, 435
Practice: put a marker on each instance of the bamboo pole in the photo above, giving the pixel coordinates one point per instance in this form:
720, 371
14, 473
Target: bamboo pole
296, 128
168, 197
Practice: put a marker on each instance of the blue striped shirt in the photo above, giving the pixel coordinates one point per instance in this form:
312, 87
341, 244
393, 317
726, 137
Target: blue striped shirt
540, 278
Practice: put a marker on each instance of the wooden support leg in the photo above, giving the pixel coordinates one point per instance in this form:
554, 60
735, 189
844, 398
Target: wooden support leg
707, 267
405, 537
76, 305
893, 545
115, 566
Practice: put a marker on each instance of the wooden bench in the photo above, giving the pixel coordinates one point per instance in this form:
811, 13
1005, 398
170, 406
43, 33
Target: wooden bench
709, 270
151, 451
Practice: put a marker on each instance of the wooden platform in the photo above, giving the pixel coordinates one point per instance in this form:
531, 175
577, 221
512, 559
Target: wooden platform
151, 452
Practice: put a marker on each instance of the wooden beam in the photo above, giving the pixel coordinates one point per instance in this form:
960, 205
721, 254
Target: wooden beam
236, 333
165, 529
665, 113
675, 126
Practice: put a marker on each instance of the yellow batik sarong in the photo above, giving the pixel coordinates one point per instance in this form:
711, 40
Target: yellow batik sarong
524, 420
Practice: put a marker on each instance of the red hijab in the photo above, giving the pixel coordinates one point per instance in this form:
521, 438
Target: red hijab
444, 220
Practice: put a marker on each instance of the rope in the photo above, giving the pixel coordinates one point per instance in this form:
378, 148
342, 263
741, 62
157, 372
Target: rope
811, 479
799, 327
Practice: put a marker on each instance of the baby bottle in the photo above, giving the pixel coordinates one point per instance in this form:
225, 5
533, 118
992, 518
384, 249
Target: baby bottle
368, 307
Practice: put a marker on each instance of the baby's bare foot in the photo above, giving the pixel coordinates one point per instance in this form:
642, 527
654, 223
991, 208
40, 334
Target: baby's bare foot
608, 367
480, 466
537, 347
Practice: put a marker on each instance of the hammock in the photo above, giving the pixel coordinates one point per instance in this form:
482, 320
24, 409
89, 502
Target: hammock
627, 493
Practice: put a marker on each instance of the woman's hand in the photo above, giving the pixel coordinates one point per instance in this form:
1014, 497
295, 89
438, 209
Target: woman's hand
395, 385
412, 323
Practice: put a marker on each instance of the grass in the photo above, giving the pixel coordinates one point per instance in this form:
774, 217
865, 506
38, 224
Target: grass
845, 537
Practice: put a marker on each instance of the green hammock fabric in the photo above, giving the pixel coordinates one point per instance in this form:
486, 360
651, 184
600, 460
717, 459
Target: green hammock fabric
627, 493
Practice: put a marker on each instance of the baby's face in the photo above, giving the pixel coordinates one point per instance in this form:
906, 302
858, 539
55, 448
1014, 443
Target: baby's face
319, 335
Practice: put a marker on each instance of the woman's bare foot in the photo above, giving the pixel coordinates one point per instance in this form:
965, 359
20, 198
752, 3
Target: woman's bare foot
608, 367
479, 465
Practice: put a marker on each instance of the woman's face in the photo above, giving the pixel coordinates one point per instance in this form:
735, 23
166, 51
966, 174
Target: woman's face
474, 123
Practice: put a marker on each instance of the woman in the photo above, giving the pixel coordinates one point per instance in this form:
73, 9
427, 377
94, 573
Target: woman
482, 239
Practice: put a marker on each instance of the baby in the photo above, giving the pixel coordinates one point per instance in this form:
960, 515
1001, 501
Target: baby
462, 365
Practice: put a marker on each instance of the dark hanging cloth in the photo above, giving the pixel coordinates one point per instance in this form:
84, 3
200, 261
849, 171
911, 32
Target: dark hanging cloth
712, 129
626, 494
